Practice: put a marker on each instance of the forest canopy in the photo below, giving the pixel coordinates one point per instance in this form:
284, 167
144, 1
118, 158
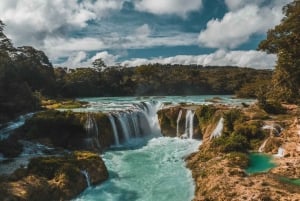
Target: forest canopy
284, 40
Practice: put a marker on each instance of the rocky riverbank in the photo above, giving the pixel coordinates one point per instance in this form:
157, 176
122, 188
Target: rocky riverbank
53, 178
219, 166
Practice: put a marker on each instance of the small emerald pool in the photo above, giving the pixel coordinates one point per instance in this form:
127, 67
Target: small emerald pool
291, 181
259, 163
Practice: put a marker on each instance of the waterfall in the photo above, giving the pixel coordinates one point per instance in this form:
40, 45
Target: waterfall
114, 128
87, 177
178, 120
262, 147
218, 130
280, 152
122, 118
189, 124
11, 126
274, 128
91, 128
140, 120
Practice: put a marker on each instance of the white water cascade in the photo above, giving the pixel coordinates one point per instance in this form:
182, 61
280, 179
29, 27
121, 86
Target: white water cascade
114, 128
280, 153
218, 130
274, 129
11, 126
189, 124
262, 147
140, 120
91, 128
87, 177
177, 123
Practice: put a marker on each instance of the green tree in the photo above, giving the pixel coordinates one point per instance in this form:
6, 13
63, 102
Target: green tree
99, 64
284, 40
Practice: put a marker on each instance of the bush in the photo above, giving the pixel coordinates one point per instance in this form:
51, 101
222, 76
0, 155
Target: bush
232, 143
237, 159
251, 130
64, 129
205, 113
272, 107
230, 118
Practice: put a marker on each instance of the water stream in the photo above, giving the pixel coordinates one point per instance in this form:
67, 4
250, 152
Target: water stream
147, 171
143, 165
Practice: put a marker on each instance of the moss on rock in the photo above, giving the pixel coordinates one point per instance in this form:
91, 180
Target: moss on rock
67, 129
54, 178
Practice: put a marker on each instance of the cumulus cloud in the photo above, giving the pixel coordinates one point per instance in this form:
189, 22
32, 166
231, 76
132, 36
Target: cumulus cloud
37, 20
245, 19
238, 4
108, 59
177, 7
63, 47
75, 60
81, 59
143, 31
252, 59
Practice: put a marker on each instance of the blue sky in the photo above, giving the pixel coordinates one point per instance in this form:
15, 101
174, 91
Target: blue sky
133, 32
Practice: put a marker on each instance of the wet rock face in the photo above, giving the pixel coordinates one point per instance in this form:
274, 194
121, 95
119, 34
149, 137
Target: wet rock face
220, 175
68, 130
54, 178
176, 121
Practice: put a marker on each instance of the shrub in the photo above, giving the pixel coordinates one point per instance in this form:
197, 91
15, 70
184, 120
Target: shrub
230, 118
272, 107
238, 159
251, 130
62, 128
205, 113
232, 143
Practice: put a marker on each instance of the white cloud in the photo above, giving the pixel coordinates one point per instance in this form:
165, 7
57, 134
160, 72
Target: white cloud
161, 7
238, 4
237, 26
108, 59
132, 42
37, 19
81, 59
143, 31
252, 59
62, 47
75, 60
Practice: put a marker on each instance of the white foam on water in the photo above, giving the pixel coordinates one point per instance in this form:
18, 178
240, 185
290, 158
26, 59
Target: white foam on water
153, 172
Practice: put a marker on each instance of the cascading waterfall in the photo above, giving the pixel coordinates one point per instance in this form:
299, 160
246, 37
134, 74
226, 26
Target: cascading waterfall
218, 130
87, 177
274, 128
139, 121
178, 120
123, 120
189, 124
280, 152
11, 126
91, 128
114, 128
262, 147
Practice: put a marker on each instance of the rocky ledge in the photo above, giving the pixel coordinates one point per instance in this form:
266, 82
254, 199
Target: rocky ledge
219, 167
53, 178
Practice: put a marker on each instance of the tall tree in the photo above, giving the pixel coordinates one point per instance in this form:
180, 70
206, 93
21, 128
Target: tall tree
99, 64
5, 43
284, 40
